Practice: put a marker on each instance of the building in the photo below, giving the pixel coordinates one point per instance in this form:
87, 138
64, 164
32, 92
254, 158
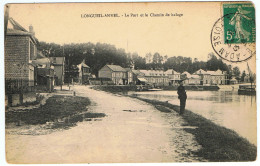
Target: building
247, 78
218, 77
59, 68
114, 72
45, 74
192, 79
174, 77
212, 77
138, 78
156, 77
129, 75
20, 51
84, 73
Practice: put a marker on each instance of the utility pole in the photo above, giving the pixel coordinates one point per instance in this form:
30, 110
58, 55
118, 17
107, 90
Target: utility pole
62, 67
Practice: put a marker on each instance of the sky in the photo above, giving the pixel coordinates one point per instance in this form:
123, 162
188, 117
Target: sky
188, 35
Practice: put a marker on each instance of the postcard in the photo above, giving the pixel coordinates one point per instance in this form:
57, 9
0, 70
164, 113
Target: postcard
142, 82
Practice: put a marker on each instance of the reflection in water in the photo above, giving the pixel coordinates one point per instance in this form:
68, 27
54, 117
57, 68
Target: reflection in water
226, 108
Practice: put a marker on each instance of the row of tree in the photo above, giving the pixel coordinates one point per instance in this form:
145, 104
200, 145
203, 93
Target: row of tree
100, 54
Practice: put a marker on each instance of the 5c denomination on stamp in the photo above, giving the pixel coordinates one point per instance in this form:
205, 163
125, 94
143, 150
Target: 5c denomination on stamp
233, 35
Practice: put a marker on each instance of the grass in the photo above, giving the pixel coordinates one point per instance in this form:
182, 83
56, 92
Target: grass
218, 143
56, 107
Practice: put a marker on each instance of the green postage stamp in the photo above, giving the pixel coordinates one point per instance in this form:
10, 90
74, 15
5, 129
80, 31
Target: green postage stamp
239, 23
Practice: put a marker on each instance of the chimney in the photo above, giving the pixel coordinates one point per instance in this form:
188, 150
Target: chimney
31, 30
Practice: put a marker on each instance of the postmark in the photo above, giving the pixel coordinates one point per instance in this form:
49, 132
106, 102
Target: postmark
233, 35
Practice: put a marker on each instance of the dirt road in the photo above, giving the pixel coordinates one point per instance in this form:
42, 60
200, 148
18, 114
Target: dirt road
132, 131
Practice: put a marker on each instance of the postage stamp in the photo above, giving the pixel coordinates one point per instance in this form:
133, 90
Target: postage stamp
239, 24
233, 36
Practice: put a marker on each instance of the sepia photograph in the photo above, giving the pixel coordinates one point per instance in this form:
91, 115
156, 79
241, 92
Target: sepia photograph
130, 82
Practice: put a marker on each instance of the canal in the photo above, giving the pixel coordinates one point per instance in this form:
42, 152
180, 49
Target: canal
224, 107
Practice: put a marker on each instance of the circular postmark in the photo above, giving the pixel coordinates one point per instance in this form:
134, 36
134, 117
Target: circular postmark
233, 45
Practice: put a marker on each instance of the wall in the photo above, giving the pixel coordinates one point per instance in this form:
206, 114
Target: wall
58, 72
17, 57
105, 72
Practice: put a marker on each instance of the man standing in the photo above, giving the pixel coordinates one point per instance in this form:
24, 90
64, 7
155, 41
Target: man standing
182, 96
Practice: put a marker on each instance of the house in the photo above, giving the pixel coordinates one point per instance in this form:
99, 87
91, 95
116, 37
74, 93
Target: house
58, 63
138, 78
233, 81
218, 77
212, 77
84, 73
129, 75
192, 79
247, 78
20, 51
205, 78
156, 77
45, 74
114, 72
185, 75
174, 77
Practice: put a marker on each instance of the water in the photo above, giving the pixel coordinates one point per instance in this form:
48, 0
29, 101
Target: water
224, 107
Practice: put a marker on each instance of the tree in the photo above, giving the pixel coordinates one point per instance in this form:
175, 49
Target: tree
243, 76
148, 57
236, 72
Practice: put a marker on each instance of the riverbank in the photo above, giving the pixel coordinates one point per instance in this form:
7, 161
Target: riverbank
126, 88
218, 143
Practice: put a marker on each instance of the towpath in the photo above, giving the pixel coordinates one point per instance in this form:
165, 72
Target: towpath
132, 131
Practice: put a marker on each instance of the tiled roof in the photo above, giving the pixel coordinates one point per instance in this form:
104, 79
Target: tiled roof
153, 72
218, 72
116, 68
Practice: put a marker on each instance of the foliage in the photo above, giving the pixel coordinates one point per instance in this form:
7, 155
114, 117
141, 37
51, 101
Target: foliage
99, 54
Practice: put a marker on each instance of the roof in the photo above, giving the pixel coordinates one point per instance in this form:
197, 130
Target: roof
188, 75
153, 72
195, 76
57, 60
40, 55
14, 28
84, 65
200, 71
43, 62
171, 71
116, 68
15, 25
128, 69
136, 72
218, 72
142, 79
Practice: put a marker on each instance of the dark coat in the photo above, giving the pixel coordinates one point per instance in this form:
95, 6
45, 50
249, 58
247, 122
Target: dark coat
182, 93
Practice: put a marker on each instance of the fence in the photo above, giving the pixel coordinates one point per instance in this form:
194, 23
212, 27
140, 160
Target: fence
18, 86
